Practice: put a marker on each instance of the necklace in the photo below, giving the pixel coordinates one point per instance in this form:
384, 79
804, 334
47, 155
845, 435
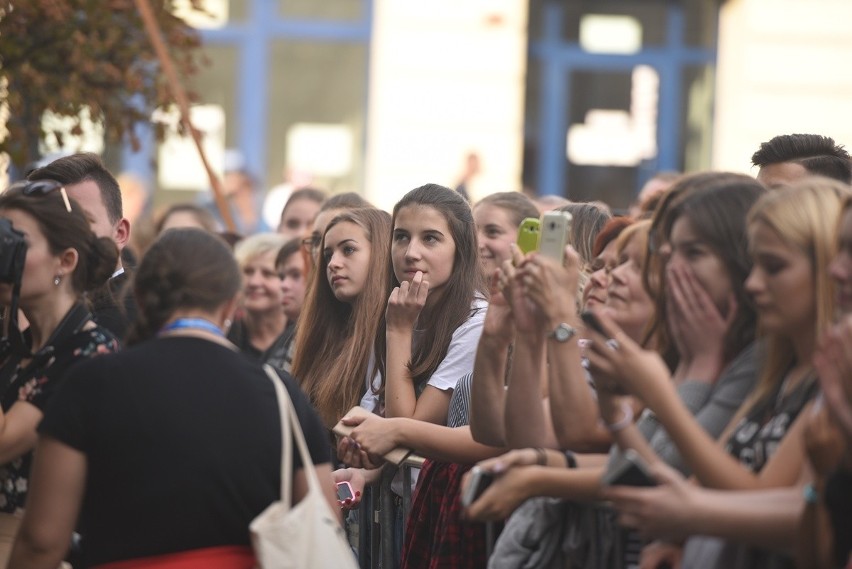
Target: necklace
192, 323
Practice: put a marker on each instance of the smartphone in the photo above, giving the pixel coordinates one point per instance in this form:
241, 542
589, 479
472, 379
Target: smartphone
344, 492
592, 322
631, 471
528, 232
555, 228
479, 481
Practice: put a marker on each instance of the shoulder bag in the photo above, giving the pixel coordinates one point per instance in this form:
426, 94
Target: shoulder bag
307, 535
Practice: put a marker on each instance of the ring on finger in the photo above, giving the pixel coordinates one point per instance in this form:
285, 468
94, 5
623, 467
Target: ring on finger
613, 344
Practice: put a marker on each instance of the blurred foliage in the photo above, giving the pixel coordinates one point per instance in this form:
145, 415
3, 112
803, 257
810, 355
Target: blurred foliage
67, 55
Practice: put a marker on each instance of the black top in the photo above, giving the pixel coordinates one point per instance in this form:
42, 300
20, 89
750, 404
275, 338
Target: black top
183, 446
758, 434
275, 355
114, 307
36, 382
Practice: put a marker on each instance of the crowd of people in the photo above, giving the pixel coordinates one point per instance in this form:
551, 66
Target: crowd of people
674, 391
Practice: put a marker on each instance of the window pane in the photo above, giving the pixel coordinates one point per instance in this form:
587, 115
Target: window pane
347, 10
317, 101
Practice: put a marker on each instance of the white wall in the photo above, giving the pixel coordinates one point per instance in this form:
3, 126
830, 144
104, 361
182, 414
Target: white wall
784, 66
446, 78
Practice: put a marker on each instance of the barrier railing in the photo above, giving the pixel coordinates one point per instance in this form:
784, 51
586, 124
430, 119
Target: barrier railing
376, 545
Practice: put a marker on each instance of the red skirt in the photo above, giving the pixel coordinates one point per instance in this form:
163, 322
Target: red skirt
225, 557
436, 537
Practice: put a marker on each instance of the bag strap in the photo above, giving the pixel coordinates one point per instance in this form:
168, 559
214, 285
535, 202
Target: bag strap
290, 421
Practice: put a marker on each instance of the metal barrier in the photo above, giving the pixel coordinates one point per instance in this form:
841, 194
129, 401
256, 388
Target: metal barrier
378, 509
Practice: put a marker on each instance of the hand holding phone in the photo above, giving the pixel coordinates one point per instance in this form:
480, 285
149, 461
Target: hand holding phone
344, 491
479, 481
631, 471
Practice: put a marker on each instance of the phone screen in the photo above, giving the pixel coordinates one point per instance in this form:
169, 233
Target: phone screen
344, 491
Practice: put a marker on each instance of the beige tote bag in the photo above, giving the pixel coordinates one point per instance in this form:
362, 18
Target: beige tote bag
307, 535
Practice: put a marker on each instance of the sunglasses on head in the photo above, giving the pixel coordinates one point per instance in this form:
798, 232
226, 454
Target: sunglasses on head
42, 188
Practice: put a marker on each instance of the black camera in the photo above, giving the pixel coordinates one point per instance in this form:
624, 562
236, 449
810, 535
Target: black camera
13, 251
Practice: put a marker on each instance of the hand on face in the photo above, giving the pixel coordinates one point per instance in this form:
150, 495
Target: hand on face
696, 324
406, 302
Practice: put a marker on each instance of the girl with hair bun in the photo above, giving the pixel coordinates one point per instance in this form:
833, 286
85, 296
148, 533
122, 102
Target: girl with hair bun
61, 259
169, 449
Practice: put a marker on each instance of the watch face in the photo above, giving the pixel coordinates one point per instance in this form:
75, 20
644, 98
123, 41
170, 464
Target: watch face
563, 333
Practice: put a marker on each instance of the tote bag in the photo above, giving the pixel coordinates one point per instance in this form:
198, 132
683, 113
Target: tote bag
307, 535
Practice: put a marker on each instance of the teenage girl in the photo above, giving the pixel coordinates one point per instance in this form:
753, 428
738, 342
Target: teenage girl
435, 309
432, 325
331, 357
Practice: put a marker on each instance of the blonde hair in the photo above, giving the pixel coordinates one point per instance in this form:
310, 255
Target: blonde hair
256, 245
801, 215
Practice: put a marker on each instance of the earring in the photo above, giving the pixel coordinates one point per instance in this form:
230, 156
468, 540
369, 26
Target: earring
57, 279
227, 323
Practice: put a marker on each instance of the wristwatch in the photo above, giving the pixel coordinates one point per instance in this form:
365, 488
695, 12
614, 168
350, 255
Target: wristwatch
563, 332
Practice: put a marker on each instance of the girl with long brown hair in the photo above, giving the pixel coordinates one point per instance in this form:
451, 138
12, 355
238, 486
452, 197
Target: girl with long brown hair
334, 345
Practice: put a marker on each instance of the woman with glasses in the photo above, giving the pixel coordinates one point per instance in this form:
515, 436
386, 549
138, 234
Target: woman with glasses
59, 259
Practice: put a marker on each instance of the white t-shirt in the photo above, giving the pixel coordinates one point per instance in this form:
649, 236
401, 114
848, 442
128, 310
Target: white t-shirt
457, 363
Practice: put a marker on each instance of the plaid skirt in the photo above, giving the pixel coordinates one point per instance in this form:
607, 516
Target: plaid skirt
436, 537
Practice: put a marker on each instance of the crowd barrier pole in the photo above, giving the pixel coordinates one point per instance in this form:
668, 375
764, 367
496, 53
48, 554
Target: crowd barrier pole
386, 525
376, 512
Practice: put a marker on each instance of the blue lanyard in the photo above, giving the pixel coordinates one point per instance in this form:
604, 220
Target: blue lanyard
192, 323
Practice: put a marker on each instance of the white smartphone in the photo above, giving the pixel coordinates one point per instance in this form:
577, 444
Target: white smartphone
555, 228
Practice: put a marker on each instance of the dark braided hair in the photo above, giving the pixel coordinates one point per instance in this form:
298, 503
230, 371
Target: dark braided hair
183, 269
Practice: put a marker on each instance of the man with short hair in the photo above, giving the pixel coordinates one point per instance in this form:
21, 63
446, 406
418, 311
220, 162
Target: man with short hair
96, 190
789, 157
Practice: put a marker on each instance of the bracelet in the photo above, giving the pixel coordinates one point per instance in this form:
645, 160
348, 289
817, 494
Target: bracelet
570, 459
625, 421
810, 493
540, 456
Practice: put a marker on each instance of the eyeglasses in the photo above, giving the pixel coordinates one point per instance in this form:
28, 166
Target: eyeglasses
312, 243
41, 188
